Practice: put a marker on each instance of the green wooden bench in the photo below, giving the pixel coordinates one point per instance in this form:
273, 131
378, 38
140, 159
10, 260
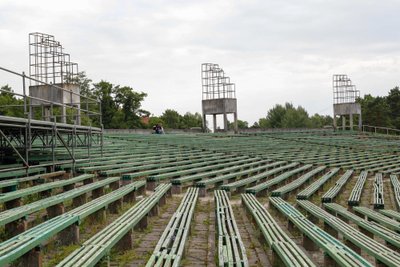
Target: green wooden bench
27, 244
369, 228
284, 190
355, 195
379, 201
289, 254
353, 237
170, 248
118, 233
334, 190
314, 237
231, 251
78, 195
396, 188
13, 199
267, 185
378, 217
391, 213
314, 187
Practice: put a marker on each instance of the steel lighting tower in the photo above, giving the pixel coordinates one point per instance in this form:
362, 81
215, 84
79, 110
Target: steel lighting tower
345, 95
219, 95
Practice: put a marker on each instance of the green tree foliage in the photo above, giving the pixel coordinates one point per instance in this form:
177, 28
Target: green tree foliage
288, 116
241, 125
393, 100
376, 111
9, 103
172, 119
190, 120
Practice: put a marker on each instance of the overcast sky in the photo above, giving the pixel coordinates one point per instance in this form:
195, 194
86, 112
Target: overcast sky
275, 51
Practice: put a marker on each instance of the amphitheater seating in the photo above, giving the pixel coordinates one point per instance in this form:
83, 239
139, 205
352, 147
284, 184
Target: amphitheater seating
170, 248
12, 199
313, 235
314, 187
265, 186
355, 195
369, 228
285, 250
396, 188
334, 190
119, 232
391, 214
282, 191
21, 173
380, 252
379, 201
231, 250
378, 217
27, 244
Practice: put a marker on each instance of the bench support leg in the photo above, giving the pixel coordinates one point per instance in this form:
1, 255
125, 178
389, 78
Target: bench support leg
126, 242
308, 244
115, 185
142, 223
291, 226
68, 187
13, 203
98, 192
353, 247
154, 211
70, 235
176, 189
79, 200
16, 227
366, 232
330, 230
32, 258
99, 215
151, 185
55, 210
115, 206
163, 200
130, 197
88, 181
46, 193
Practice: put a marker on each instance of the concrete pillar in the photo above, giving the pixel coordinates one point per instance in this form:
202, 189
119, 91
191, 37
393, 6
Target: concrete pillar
329, 261
16, 227
98, 192
13, 203
330, 230
204, 122
79, 200
126, 242
359, 122
352, 246
202, 191
68, 187
63, 114
308, 244
225, 122
130, 197
155, 211
215, 123
334, 122
115, 185
142, 223
69, 235
32, 258
55, 210
351, 122
343, 122
151, 185
176, 189
115, 206
235, 122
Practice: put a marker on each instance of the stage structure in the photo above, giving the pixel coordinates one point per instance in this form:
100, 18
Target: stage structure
45, 127
219, 95
345, 95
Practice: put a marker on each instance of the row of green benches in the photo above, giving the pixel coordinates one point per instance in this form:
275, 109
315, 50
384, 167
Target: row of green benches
284, 190
378, 201
355, 195
353, 237
396, 189
317, 185
285, 251
11, 217
334, 190
170, 248
231, 251
118, 233
27, 244
314, 237
15, 183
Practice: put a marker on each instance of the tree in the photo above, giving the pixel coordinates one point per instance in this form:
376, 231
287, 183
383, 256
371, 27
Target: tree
171, 118
130, 102
295, 118
190, 120
241, 125
393, 100
9, 103
375, 111
104, 90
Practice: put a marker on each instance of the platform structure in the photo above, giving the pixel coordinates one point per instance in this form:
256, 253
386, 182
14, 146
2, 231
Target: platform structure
45, 128
345, 103
219, 95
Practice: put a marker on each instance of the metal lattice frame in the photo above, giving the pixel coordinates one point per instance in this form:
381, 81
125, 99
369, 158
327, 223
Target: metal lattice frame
47, 61
215, 84
343, 90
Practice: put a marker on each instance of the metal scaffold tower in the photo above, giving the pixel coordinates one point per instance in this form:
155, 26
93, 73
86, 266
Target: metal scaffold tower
219, 95
345, 103
47, 129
